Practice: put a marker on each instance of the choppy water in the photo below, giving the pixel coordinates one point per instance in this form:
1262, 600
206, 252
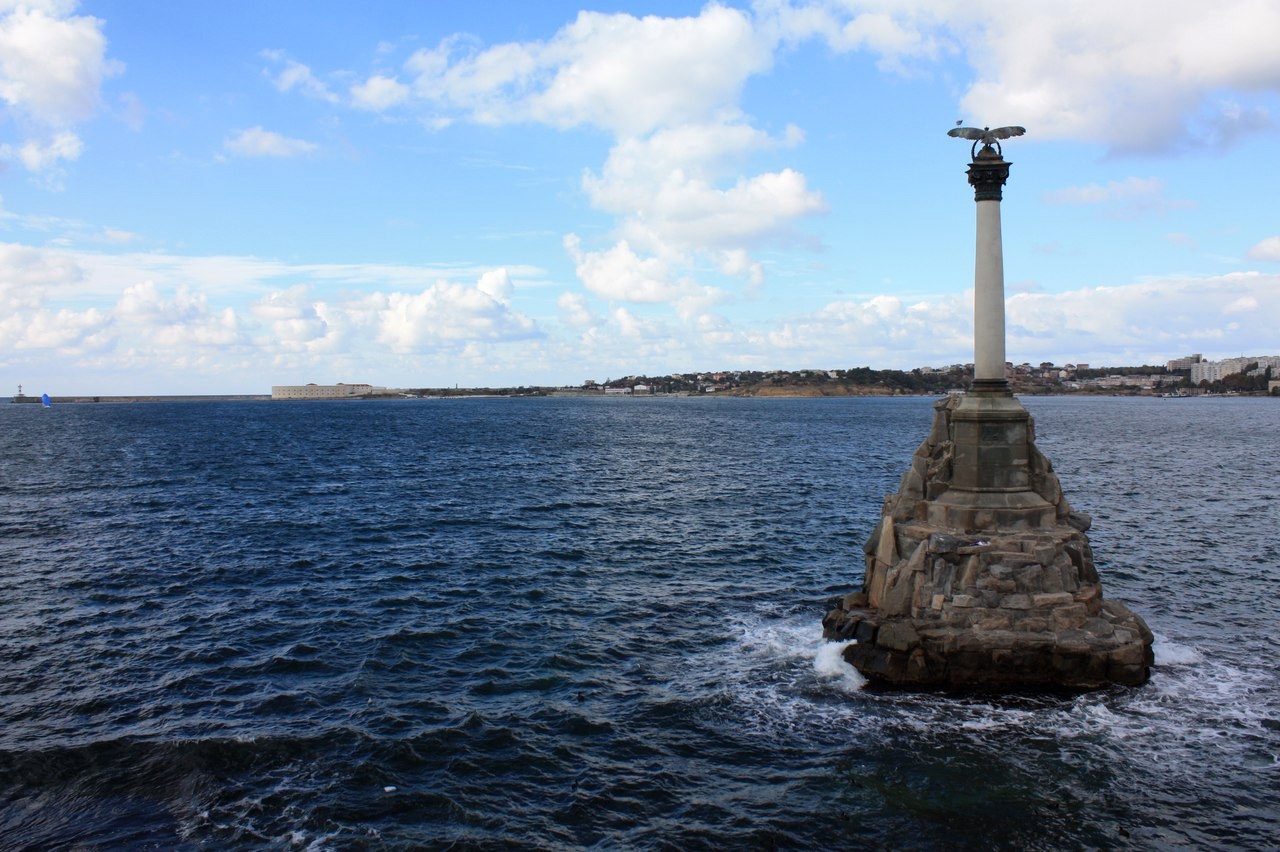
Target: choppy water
565, 623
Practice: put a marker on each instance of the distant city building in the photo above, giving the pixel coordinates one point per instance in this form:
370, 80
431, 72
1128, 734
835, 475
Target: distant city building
1184, 363
1216, 371
1122, 382
314, 391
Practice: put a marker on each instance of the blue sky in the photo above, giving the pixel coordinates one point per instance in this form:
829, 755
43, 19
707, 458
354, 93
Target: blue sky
215, 198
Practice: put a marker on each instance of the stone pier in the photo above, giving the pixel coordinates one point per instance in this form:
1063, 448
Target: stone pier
979, 574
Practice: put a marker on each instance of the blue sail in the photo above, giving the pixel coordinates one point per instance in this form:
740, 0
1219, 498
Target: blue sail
45, 401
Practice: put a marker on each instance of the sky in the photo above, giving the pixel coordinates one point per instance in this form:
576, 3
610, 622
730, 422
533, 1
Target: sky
220, 197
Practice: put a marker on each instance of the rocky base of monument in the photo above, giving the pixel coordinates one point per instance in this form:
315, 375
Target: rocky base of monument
958, 597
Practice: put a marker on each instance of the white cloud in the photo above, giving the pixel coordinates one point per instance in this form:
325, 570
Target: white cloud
1131, 76
619, 274
633, 75
38, 156
445, 313
668, 190
256, 142
1143, 321
116, 235
296, 76
846, 27
52, 64
668, 89
881, 330
66, 331
379, 93
1130, 197
1242, 305
152, 314
625, 74
1124, 190
288, 304
496, 284
1268, 249
575, 311
28, 273
277, 323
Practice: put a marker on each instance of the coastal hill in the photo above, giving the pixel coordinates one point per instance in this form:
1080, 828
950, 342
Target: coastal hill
1256, 377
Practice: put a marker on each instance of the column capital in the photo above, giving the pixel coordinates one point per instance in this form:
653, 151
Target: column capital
987, 174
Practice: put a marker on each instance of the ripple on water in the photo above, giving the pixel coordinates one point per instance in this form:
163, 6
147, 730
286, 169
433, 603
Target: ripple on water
569, 623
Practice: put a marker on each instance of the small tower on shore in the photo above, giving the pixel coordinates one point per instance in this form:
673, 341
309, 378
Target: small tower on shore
979, 574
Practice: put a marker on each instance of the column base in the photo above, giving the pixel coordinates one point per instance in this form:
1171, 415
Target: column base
991, 387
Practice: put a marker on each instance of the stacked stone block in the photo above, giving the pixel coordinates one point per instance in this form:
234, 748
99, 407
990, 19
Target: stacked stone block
985, 594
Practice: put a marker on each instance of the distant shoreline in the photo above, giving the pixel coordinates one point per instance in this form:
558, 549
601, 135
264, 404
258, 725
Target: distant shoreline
570, 393
90, 400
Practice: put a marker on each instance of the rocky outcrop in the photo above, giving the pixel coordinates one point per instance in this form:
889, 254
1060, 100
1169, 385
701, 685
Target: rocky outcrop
965, 593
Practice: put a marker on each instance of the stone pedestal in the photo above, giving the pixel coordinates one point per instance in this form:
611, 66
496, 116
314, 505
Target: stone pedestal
979, 574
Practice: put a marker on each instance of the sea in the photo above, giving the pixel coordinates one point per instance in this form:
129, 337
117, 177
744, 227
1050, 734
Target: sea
595, 623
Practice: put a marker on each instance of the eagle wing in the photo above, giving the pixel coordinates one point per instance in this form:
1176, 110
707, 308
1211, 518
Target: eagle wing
966, 133
1005, 132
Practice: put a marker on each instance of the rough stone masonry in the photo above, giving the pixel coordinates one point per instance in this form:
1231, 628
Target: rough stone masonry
961, 594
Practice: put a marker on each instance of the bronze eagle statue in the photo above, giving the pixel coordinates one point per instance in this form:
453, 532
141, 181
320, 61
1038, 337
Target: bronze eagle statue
986, 135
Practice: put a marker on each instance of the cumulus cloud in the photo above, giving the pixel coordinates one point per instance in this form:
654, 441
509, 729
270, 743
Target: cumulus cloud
1268, 249
496, 284
177, 320
445, 313
619, 274
32, 278
881, 330
1116, 73
668, 90
575, 311
379, 93
299, 322
625, 74
156, 313
52, 65
28, 274
669, 190
256, 142
1144, 320
913, 34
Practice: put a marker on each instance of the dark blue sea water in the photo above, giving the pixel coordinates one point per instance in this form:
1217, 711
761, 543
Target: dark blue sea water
565, 623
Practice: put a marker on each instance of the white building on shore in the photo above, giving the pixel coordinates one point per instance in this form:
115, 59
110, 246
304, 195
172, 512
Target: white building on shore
1216, 371
314, 391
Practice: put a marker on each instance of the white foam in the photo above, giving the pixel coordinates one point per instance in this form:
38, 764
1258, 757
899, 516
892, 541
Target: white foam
830, 665
782, 640
1170, 653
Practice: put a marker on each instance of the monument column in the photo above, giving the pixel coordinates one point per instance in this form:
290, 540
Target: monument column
979, 573
987, 174
991, 481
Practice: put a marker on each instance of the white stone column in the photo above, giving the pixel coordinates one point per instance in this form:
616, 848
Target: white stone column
988, 297
987, 174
